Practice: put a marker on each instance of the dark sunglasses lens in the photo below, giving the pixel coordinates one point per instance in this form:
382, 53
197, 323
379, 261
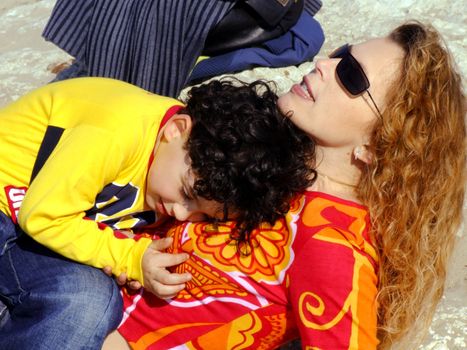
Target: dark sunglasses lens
340, 52
351, 76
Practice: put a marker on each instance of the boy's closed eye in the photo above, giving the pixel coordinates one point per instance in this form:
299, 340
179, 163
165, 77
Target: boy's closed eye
187, 191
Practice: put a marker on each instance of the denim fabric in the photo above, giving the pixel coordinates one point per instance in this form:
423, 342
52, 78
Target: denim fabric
52, 302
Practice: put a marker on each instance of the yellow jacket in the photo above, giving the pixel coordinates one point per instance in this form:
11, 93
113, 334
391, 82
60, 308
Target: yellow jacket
96, 171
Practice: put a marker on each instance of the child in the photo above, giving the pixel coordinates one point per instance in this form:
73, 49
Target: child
95, 156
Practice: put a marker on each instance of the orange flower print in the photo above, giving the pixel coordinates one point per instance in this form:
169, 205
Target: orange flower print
267, 260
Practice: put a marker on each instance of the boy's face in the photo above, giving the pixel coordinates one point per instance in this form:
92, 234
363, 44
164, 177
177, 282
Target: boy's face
169, 188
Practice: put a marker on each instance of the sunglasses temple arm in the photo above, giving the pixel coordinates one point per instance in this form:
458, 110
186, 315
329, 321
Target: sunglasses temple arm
374, 103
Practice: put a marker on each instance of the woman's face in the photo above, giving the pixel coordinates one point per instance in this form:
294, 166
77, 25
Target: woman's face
324, 109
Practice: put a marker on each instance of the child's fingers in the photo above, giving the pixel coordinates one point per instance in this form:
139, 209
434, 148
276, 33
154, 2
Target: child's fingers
161, 244
135, 285
164, 291
167, 259
167, 278
107, 270
122, 279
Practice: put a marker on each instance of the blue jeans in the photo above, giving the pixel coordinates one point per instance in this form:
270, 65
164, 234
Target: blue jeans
51, 302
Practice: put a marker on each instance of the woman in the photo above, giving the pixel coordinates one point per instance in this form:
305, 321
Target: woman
402, 143
388, 119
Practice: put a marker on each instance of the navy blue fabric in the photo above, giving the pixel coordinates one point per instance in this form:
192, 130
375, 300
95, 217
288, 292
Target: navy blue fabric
301, 43
49, 302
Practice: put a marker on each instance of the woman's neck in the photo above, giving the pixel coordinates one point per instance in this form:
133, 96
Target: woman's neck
338, 173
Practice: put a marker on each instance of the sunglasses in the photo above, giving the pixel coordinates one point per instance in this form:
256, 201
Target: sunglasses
351, 74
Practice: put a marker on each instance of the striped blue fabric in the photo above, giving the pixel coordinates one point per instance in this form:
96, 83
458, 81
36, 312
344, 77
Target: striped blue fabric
312, 6
153, 44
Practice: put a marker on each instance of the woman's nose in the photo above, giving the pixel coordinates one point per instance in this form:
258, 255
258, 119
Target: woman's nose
323, 64
325, 67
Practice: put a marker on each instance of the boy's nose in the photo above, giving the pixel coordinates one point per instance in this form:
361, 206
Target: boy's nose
182, 213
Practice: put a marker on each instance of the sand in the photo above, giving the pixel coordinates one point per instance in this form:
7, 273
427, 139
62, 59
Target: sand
25, 57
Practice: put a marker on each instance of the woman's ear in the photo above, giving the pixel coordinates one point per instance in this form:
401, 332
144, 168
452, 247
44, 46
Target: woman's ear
177, 126
363, 154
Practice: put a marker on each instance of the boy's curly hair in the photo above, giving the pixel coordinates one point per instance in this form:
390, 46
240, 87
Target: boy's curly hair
245, 153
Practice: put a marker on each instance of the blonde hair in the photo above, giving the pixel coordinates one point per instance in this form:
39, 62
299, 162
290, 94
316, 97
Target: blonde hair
415, 187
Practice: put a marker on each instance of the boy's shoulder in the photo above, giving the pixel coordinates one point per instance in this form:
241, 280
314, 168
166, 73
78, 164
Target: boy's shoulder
96, 89
96, 100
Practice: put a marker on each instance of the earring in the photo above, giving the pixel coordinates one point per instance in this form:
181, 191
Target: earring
357, 153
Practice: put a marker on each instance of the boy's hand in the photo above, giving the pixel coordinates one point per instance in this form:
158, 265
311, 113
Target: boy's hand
122, 279
157, 279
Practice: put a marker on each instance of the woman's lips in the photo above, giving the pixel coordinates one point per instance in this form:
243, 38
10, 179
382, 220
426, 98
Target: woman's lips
306, 85
302, 90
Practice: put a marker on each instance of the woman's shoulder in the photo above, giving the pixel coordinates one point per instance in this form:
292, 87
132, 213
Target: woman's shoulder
322, 217
319, 208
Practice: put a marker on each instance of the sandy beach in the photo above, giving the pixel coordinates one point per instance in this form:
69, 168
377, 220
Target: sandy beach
25, 61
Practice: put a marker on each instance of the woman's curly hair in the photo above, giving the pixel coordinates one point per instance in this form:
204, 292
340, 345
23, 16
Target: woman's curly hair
245, 154
415, 187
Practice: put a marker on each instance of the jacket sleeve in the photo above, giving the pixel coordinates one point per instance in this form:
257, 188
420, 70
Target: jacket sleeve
332, 287
53, 211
